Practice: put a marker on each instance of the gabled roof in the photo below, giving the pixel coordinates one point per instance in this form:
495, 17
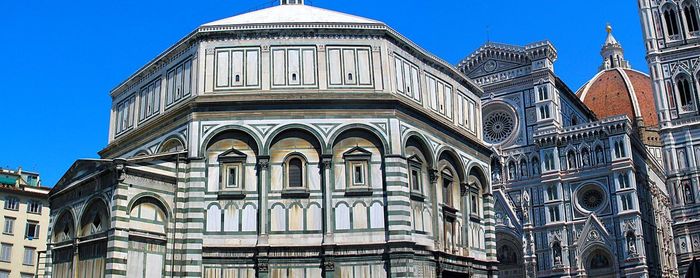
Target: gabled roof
292, 14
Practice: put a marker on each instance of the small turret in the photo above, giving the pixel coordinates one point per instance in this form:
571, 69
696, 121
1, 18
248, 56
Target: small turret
612, 53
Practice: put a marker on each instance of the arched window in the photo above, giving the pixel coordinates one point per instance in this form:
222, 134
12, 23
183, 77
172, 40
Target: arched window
685, 95
671, 21
523, 168
571, 157
574, 120
623, 180
447, 190
295, 172
691, 17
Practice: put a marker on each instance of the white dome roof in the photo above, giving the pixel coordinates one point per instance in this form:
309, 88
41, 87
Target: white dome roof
292, 14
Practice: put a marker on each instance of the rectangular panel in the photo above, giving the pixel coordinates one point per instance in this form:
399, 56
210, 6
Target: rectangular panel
364, 65
156, 97
334, 72
135, 264
237, 68
169, 97
187, 79
178, 82
441, 97
398, 68
278, 67
432, 90
415, 85
309, 65
460, 110
293, 67
154, 263
448, 101
252, 68
407, 79
222, 69
472, 118
349, 66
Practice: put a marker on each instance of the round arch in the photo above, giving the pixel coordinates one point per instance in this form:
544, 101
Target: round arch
146, 197
422, 144
449, 154
598, 260
223, 129
477, 177
292, 127
65, 222
175, 138
95, 207
346, 128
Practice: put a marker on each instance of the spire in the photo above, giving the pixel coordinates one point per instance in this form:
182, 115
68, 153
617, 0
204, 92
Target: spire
612, 52
291, 2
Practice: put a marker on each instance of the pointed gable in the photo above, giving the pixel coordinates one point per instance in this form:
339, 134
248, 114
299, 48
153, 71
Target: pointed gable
593, 232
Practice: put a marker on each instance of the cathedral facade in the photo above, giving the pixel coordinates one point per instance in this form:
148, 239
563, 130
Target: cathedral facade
291, 141
578, 190
671, 36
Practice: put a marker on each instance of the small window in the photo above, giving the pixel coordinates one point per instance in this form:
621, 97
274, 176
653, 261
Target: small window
554, 214
415, 179
623, 180
28, 256
295, 173
233, 175
34, 207
552, 192
32, 231
627, 203
11, 203
5, 252
447, 195
358, 175
474, 205
9, 227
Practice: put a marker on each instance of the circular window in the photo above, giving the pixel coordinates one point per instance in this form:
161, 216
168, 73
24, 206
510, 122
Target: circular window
498, 126
591, 197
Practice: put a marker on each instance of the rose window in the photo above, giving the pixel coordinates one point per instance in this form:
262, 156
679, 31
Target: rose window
591, 198
498, 126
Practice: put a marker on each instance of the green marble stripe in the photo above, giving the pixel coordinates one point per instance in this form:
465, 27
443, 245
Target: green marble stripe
188, 240
394, 232
399, 203
115, 261
396, 164
120, 197
397, 183
399, 212
115, 272
399, 223
189, 230
189, 199
398, 193
396, 174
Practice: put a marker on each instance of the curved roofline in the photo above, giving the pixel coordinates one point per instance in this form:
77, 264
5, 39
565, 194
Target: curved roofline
631, 93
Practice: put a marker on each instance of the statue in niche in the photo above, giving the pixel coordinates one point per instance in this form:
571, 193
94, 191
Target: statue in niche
496, 171
526, 207
556, 253
689, 198
631, 244
586, 158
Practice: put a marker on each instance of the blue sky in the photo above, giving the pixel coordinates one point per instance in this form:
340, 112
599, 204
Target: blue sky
63, 57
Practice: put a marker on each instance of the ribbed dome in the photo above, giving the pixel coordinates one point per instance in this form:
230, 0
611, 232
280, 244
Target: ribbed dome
617, 89
620, 91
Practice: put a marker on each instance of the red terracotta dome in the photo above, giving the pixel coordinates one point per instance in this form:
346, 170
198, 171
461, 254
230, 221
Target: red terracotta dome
616, 89
620, 91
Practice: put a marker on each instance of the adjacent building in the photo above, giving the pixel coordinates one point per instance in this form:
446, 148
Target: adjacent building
577, 187
291, 141
671, 36
25, 217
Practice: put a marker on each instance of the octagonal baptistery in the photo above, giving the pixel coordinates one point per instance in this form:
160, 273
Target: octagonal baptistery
291, 141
